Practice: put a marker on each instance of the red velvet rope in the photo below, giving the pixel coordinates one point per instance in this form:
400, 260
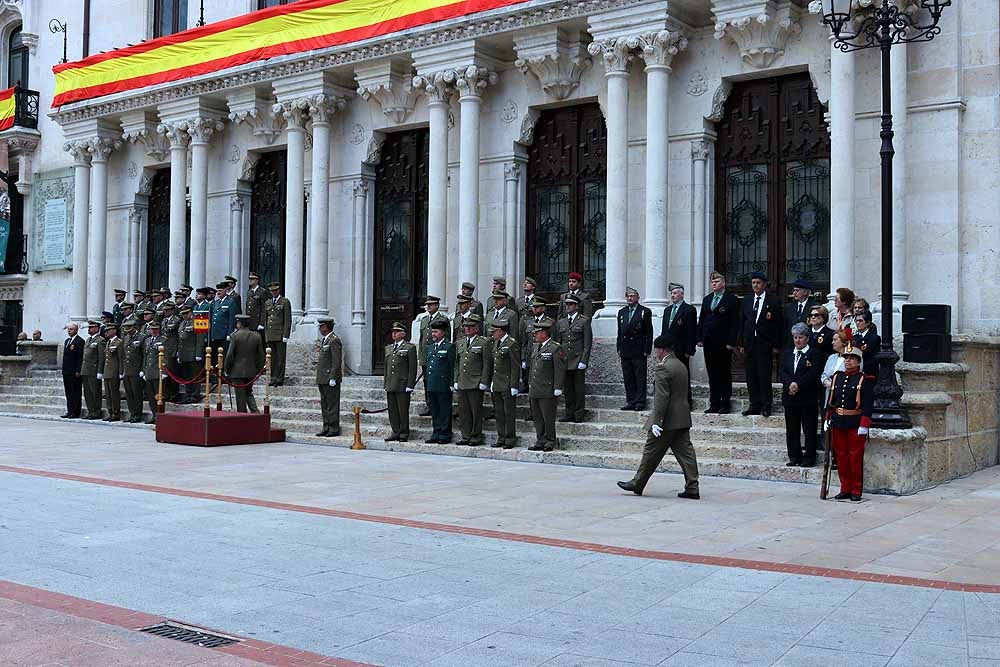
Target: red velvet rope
245, 385
198, 379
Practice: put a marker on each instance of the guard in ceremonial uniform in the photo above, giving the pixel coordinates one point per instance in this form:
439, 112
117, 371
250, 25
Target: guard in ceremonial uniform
849, 416
244, 360
113, 370
472, 373
116, 309
431, 305
170, 330
634, 343
151, 367
277, 330
132, 340
468, 289
575, 285
573, 333
190, 357
224, 312
235, 293
92, 371
329, 375
548, 372
256, 296
400, 378
504, 383
439, 376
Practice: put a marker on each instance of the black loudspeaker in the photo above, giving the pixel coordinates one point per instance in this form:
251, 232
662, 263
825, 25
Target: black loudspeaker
927, 348
926, 318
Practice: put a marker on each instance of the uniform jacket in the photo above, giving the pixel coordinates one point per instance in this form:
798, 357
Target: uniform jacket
133, 353
476, 307
400, 366
548, 369
256, 296
806, 376
150, 357
821, 341
277, 319
245, 356
720, 327
508, 313
870, 345
474, 362
528, 335
586, 307
523, 306
767, 330
506, 365
456, 325
187, 343
329, 359
114, 358
116, 313
224, 312
851, 392
671, 410
237, 300
635, 333
170, 331
576, 339
93, 356
684, 329
425, 332
72, 355
439, 365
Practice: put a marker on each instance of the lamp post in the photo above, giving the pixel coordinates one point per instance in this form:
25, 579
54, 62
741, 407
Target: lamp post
881, 27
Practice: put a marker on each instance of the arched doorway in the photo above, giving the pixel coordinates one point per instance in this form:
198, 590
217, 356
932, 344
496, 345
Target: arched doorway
267, 217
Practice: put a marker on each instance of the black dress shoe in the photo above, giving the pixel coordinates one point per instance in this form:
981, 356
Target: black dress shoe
536, 448
392, 438
548, 448
808, 464
462, 441
842, 496
630, 486
402, 438
322, 434
432, 441
424, 413
578, 420
444, 441
566, 420
475, 443
498, 443
333, 432
65, 416
855, 499
793, 464
509, 445
765, 412
750, 411
640, 407
725, 409
626, 407
689, 495
711, 410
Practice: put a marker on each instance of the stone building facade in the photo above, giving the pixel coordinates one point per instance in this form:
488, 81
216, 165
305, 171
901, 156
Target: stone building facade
639, 141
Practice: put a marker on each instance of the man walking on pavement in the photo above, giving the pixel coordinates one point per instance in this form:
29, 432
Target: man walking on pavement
244, 360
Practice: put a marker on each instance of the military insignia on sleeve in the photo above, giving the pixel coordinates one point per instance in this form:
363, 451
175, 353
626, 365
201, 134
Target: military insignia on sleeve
768, 315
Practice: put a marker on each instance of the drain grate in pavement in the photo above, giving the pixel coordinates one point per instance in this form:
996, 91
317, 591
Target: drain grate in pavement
189, 635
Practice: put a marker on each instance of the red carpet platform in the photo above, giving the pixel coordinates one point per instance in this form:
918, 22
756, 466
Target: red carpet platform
218, 429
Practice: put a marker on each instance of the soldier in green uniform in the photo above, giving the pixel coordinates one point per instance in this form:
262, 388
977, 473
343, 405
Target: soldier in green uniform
132, 341
170, 330
468, 289
400, 378
499, 285
186, 291
574, 333
148, 317
139, 298
113, 370
244, 359
575, 285
504, 382
92, 369
160, 298
151, 367
463, 309
527, 337
329, 375
472, 375
128, 311
432, 305
256, 296
548, 372
190, 357
523, 304
277, 331
235, 293
500, 309
439, 375
116, 308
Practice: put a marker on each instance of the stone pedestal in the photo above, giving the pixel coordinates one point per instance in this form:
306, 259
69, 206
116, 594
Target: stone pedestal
41, 354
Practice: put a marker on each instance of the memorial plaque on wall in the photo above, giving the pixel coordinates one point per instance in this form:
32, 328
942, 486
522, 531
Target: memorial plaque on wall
52, 221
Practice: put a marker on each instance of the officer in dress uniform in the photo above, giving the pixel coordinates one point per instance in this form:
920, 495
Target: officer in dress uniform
499, 285
849, 416
179, 299
528, 324
277, 330
132, 341
718, 336
160, 299
256, 296
575, 285
680, 320
548, 372
474, 361
140, 301
116, 309
439, 376
244, 360
506, 373
432, 306
523, 304
91, 369
400, 378
468, 289
763, 331
500, 309
72, 360
188, 300
329, 375
148, 317
463, 309
170, 331
634, 343
224, 312
799, 308
573, 333
234, 293
190, 357
113, 370
128, 311
151, 367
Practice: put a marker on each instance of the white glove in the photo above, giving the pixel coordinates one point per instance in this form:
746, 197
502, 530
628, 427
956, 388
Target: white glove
513, 391
455, 386
409, 390
482, 387
826, 425
121, 377
260, 327
284, 340
199, 359
100, 376
557, 392
581, 366
862, 430
142, 375
657, 430
524, 364
228, 338
333, 383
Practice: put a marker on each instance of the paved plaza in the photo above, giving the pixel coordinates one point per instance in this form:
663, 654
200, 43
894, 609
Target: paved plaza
401, 559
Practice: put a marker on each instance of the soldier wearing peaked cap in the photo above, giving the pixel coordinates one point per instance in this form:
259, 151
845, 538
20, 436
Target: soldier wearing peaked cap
244, 360
186, 291
234, 293
329, 376
463, 309
523, 304
132, 342
190, 355
140, 300
439, 375
504, 380
500, 309
499, 285
472, 371
573, 333
148, 317
151, 367
468, 289
548, 372
170, 331
400, 379
527, 341
116, 309
433, 314
575, 287
91, 370
113, 371
277, 330
256, 296
223, 315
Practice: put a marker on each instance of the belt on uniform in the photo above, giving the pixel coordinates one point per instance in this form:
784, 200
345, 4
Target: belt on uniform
847, 413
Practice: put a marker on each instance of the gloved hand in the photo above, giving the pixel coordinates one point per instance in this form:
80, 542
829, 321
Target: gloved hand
862, 430
826, 425
333, 383
199, 359
581, 366
557, 392
409, 390
657, 430
482, 387
121, 377
524, 364
100, 376
284, 340
142, 376
454, 387
513, 391
228, 338
260, 327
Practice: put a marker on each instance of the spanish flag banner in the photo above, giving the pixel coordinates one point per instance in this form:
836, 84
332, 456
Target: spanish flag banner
277, 31
7, 107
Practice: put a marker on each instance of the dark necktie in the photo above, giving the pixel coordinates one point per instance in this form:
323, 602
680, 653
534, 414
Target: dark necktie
756, 308
798, 358
800, 311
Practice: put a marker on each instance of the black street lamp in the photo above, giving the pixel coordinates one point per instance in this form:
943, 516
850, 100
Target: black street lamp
881, 27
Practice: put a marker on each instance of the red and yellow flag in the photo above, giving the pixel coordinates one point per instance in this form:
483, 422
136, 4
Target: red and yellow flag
7, 108
286, 29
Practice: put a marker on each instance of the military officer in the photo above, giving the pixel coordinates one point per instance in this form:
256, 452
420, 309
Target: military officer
234, 293
277, 330
439, 376
244, 359
107, 317
573, 333
499, 285
170, 331
92, 370
186, 290
190, 357
329, 375
160, 298
463, 309
468, 289
400, 378
224, 312
140, 300
524, 303
472, 373
431, 305
179, 299
256, 296
848, 417
504, 382
113, 370
634, 343
548, 372
537, 315
116, 309
500, 310
151, 367
132, 342
575, 287
128, 311
669, 424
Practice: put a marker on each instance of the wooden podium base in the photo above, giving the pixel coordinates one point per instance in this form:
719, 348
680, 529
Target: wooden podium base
216, 430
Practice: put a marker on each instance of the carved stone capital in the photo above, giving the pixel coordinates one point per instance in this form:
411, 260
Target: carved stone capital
659, 48
374, 153
78, 150
511, 171
700, 150
201, 129
293, 112
615, 52
439, 87
101, 148
30, 40
236, 203
322, 107
261, 119
175, 134
361, 187
473, 80
760, 33
137, 215
156, 144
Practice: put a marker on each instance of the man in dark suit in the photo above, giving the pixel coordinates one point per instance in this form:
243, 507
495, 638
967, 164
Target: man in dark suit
799, 308
799, 373
761, 337
634, 342
680, 320
71, 362
718, 336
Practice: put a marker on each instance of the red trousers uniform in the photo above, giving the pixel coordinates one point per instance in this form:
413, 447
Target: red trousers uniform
849, 448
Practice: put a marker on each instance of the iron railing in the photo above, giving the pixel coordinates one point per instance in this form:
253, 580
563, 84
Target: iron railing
25, 108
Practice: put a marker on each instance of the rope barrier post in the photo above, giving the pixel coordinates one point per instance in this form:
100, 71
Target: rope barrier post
267, 387
159, 394
218, 368
208, 381
358, 444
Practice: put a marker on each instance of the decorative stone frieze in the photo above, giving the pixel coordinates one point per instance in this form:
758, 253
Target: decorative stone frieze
259, 116
556, 57
759, 29
390, 84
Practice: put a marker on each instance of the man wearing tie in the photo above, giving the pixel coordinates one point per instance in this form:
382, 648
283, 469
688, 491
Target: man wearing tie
680, 320
762, 333
634, 343
71, 362
799, 373
798, 310
574, 334
400, 378
718, 334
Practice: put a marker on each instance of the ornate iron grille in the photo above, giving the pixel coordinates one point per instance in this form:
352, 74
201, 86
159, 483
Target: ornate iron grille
11, 322
16, 259
267, 217
26, 108
807, 221
158, 231
746, 223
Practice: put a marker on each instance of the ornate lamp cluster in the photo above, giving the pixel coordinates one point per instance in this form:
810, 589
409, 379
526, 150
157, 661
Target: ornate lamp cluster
900, 23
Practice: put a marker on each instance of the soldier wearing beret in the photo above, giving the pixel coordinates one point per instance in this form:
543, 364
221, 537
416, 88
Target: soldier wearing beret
849, 416
244, 360
575, 285
329, 374
132, 341
116, 309
256, 296
439, 377
634, 343
468, 289
91, 370
472, 372
573, 333
432, 305
151, 367
190, 356
400, 378
277, 331
504, 380
547, 373
763, 332
113, 371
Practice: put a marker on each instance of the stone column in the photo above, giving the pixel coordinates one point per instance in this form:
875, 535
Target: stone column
841, 170
471, 83
900, 103
97, 250
81, 214
200, 130
178, 139
134, 223
294, 114
617, 55
235, 235
699, 221
360, 251
658, 51
511, 201
321, 110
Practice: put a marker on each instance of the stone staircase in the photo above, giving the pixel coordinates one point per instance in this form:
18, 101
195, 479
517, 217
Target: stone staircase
727, 445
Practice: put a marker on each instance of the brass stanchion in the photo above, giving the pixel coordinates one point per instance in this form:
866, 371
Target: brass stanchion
208, 381
267, 385
358, 444
218, 367
159, 394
